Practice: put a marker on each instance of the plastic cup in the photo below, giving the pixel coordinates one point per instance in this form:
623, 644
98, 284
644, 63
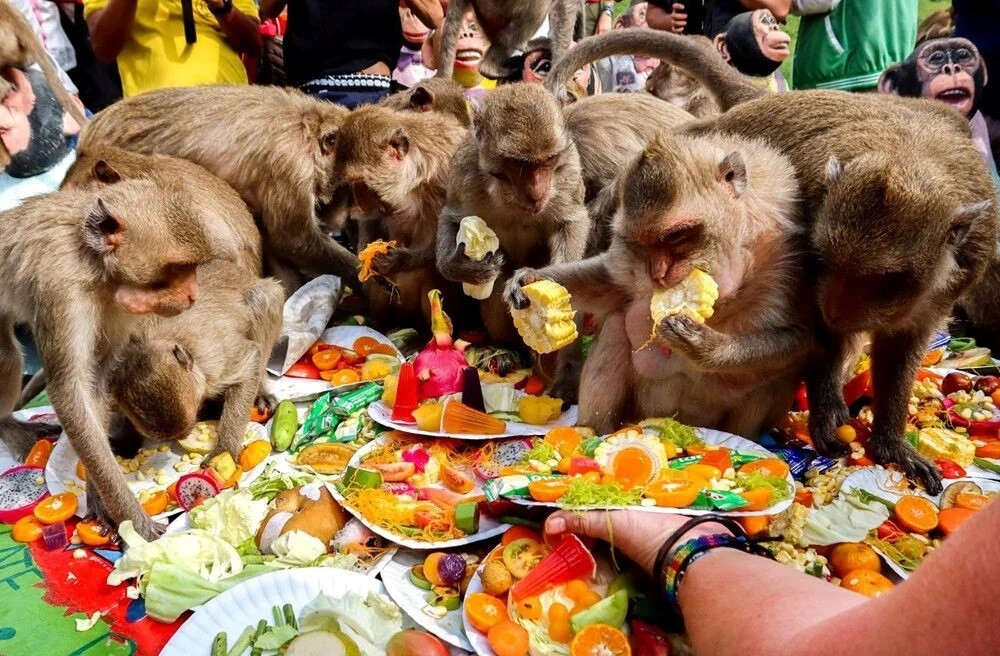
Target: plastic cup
406, 394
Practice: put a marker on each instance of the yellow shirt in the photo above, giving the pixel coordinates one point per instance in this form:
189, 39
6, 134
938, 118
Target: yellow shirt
157, 56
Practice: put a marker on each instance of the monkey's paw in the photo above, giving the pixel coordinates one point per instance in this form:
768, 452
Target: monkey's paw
513, 294
823, 432
461, 268
885, 450
696, 341
148, 529
20, 436
391, 262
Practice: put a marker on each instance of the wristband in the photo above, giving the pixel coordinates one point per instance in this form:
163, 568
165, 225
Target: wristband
691, 551
608, 10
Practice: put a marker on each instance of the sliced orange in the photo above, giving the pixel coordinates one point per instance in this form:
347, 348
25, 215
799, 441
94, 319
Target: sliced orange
363, 345
254, 453
328, 359
950, 519
81, 470
26, 529
564, 439
767, 466
484, 611
632, 467
340, 377
916, 514
156, 503
755, 525
600, 640
57, 508
548, 490
971, 501
676, 488
93, 533
758, 499
39, 454
708, 472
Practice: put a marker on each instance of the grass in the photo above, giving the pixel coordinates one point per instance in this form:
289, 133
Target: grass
792, 27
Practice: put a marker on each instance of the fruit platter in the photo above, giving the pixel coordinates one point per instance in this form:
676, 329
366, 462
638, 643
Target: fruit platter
660, 465
419, 493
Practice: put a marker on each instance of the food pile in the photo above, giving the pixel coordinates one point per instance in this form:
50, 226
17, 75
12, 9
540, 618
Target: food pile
367, 359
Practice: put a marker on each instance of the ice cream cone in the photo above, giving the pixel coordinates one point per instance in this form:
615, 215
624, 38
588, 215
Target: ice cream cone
460, 418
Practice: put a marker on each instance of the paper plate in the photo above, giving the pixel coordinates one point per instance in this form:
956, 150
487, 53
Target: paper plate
382, 414
304, 389
477, 639
61, 468
710, 436
488, 527
251, 601
396, 579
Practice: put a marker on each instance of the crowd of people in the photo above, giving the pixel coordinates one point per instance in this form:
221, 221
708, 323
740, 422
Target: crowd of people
359, 52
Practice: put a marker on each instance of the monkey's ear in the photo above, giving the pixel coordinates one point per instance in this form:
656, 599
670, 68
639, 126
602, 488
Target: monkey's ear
422, 99
101, 230
399, 144
962, 220
834, 169
733, 173
104, 172
328, 142
888, 82
719, 42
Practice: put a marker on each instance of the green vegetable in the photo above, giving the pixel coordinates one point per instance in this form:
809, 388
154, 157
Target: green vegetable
780, 488
369, 621
987, 465
584, 494
233, 515
276, 637
680, 434
906, 551
542, 452
279, 619
588, 447
467, 517
610, 610
271, 482
290, 616
242, 643
219, 644
447, 598
417, 577
361, 477
848, 519
284, 425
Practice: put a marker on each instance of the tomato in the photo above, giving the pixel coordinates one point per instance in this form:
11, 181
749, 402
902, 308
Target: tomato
804, 498
889, 530
949, 469
303, 370
521, 556
39, 454
582, 465
93, 533
57, 508
424, 517
327, 360
534, 386
26, 529
395, 472
518, 532
858, 387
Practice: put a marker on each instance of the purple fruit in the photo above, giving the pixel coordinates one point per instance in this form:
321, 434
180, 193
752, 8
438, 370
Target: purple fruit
451, 569
399, 488
472, 390
54, 536
192, 489
20, 492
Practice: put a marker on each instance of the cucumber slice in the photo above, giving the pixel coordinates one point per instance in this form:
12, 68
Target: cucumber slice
361, 477
444, 597
418, 579
467, 517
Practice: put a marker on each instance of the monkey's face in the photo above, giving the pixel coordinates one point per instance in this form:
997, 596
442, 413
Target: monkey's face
528, 183
373, 157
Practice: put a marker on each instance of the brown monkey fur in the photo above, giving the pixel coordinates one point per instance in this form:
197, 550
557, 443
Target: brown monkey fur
20, 48
673, 85
902, 214
273, 146
217, 350
433, 94
509, 25
519, 171
227, 222
397, 164
729, 207
81, 268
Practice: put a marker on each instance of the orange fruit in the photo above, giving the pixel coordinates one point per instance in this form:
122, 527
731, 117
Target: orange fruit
327, 360
517, 532
585, 601
600, 640
950, 519
93, 533
363, 345
916, 514
57, 508
431, 572
508, 639
340, 377
754, 526
156, 503
766, 466
548, 490
708, 472
563, 439
81, 470
758, 499
971, 501
850, 556
254, 453
866, 582
39, 454
530, 608
26, 529
632, 467
676, 488
484, 611
559, 626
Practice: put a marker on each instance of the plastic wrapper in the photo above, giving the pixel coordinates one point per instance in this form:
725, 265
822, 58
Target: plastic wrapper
350, 402
510, 487
305, 316
321, 418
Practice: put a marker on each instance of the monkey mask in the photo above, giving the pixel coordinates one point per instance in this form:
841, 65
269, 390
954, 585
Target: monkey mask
950, 70
33, 125
753, 43
415, 63
471, 47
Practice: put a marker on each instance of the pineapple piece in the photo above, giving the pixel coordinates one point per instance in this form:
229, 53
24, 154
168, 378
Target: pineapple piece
694, 297
547, 324
944, 444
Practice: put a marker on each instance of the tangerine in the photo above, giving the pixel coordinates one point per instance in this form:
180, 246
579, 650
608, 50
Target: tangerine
866, 582
850, 556
600, 640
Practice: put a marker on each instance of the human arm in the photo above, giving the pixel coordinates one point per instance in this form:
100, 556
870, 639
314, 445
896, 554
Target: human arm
241, 29
780, 8
272, 8
659, 17
110, 28
429, 12
605, 20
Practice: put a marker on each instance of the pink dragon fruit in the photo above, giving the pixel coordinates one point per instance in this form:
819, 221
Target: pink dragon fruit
418, 455
440, 365
505, 454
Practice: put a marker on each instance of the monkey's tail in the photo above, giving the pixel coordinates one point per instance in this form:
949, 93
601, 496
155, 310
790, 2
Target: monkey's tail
724, 82
55, 83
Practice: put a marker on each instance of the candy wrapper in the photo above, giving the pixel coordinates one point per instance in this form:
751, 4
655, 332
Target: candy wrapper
305, 316
350, 402
320, 419
510, 487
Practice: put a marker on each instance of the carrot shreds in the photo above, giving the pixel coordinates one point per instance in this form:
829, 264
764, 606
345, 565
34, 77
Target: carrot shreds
366, 269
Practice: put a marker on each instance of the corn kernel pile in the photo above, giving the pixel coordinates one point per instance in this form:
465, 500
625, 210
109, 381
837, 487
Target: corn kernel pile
547, 324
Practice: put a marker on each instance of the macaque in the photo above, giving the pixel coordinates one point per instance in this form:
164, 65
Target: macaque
273, 146
726, 206
397, 165
434, 94
519, 171
508, 24
83, 269
217, 350
20, 48
671, 84
902, 215
753, 43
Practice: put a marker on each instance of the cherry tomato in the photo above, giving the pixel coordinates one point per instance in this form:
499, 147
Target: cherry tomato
888, 530
327, 360
804, 497
582, 465
533, 385
303, 370
949, 469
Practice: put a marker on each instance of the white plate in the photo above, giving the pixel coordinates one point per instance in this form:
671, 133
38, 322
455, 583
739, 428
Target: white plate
488, 527
892, 486
709, 436
304, 389
476, 638
382, 414
396, 579
251, 601
61, 469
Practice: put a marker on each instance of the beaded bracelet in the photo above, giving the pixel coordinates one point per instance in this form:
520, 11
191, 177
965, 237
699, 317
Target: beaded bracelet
691, 551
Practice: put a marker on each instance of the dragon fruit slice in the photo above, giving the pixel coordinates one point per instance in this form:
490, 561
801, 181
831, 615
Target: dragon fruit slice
192, 489
418, 455
21, 489
440, 365
505, 454
401, 489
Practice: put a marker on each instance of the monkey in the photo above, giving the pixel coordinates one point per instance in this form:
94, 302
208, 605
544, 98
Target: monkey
273, 146
433, 94
397, 165
902, 219
673, 85
727, 206
508, 24
81, 269
164, 373
519, 171
20, 48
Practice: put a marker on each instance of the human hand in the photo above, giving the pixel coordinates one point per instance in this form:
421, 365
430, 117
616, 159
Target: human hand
680, 18
639, 535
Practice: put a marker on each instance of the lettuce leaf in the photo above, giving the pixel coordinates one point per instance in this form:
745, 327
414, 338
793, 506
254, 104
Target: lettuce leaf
296, 549
206, 555
369, 621
172, 589
848, 519
233, 515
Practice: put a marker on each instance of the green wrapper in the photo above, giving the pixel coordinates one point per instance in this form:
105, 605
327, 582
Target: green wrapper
681, 463
702, 502
722, 500
510, 487
739, 458
320, 419
350, 402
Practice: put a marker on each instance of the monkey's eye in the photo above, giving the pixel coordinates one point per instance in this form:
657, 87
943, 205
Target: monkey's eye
937, 58
499, 175
962, 54
182, 356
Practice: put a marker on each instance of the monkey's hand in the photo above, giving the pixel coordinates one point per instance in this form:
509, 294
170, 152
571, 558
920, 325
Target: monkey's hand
825, 416
143, 523
697, 342
885, 449
461, 268
513, 294
393, 261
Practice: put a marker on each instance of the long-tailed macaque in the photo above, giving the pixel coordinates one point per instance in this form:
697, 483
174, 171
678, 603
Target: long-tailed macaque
726, 206
82, 269
902, 215
273, 146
